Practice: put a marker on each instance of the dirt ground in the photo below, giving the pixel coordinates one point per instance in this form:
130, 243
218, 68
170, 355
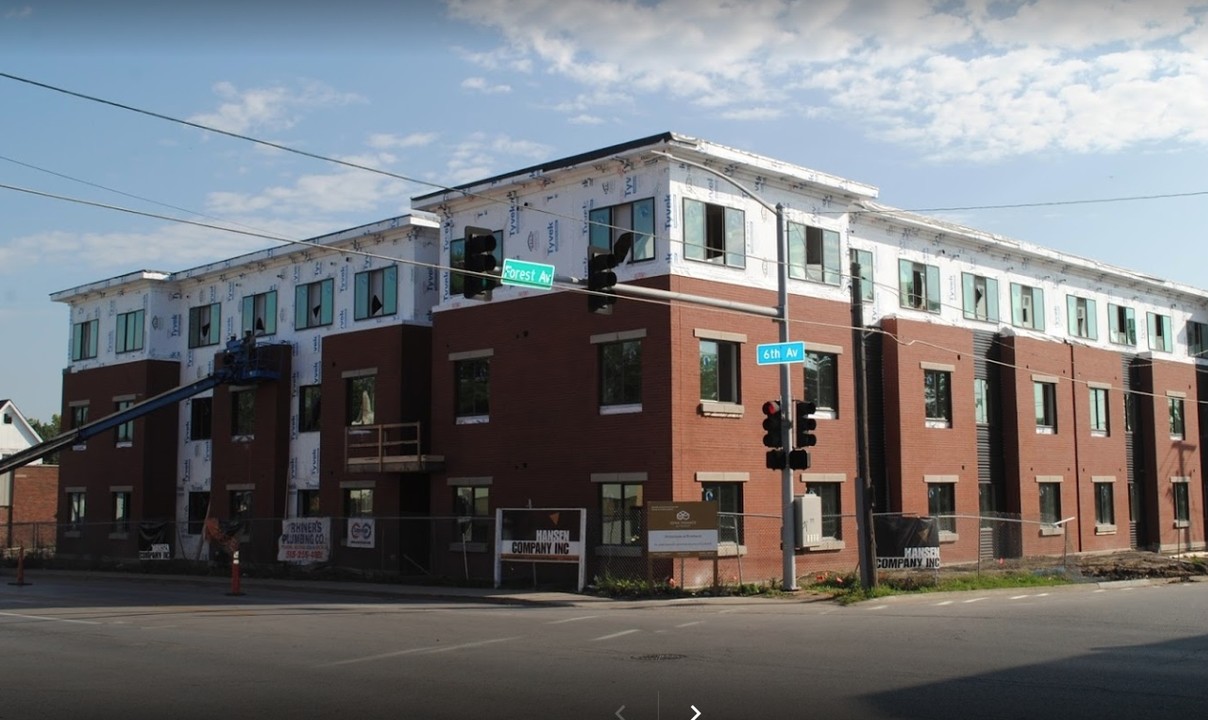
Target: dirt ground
1130, 565
1136, 565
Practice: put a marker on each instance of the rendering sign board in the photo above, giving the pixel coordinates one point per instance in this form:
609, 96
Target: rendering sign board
681, 528
304, 540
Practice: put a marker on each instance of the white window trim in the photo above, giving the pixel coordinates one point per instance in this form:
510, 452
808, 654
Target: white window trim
623, 478
618, 336
363, 372
719, 335
471, 354
620, 409
484, 481
722, 477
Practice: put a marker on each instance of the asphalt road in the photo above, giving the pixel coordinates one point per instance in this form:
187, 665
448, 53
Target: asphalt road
122, 649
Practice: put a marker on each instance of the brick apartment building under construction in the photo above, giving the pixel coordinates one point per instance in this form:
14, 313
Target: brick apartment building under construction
1004, 378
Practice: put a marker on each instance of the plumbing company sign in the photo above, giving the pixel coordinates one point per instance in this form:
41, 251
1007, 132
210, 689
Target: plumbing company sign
304, 540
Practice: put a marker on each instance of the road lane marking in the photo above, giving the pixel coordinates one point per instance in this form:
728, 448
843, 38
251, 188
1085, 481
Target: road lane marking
413, 651
690, 624
615, 635
979, 599
50, 619
1042, 594
1019, 597
570, 620
946, 602
878, 607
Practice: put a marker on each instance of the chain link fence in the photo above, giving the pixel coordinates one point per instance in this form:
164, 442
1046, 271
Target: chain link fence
461, 550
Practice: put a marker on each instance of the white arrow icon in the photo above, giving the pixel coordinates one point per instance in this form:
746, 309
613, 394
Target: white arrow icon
619, 712
694, 717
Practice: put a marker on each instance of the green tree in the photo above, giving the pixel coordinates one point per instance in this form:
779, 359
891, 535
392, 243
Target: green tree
48, 430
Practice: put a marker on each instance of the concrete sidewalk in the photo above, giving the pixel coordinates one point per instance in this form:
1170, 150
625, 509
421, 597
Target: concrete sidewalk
398, 591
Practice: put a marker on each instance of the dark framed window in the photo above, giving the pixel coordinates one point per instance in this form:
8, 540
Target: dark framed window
358, 502
620, 514
864, 258
609, 223
84, 339
728, 497
1105, 504
1121, 325
1161, 337
123, 433
1082, 317
832, 508
1027, 306
308, 503
201, 418
919, 286
981, 401
361, 394
259, 313
129, 335
941, 505
937, 397
822, 381
1130, 412
621, 373
199, 509
1099, 414
473, 389
205, 325
1177, 424
1045, 395
243, 413
1197, 340
79, 416
240, 505
376, 293
979, 297
120, 501
713, 233
1050, 502
472, 505
1182, 503
308, 408
814, 254
313, 304
719, 380
76, 509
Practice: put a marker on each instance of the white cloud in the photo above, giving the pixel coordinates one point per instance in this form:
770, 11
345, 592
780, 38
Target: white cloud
979, 79
19, 13
584, 119
270, 108
479, 156
387, 141
481, 85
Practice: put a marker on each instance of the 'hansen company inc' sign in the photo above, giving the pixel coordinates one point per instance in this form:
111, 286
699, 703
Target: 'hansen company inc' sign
907, 543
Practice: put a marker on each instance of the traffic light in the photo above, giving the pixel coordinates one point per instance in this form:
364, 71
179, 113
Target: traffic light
803, 424
479, 258
601, 278
773, 433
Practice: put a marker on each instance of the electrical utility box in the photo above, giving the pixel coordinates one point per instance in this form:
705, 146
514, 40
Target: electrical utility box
807, 515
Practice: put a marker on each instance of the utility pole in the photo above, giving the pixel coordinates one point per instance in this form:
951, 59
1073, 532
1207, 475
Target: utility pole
864, 493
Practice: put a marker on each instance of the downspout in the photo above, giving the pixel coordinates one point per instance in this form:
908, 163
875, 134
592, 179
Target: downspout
1077, 444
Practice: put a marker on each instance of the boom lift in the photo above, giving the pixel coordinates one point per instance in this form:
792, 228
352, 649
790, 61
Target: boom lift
240, 364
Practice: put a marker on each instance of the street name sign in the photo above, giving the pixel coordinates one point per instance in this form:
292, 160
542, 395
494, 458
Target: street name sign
527, 274
780, 353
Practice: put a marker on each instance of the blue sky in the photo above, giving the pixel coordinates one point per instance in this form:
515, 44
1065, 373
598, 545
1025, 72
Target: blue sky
943, 104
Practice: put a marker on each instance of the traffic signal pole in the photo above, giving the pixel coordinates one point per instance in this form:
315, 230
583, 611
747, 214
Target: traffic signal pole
787, 549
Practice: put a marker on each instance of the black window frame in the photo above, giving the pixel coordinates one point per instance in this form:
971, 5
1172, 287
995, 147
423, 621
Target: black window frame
620, 373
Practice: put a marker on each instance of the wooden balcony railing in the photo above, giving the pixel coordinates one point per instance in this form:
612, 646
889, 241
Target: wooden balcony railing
393, 447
